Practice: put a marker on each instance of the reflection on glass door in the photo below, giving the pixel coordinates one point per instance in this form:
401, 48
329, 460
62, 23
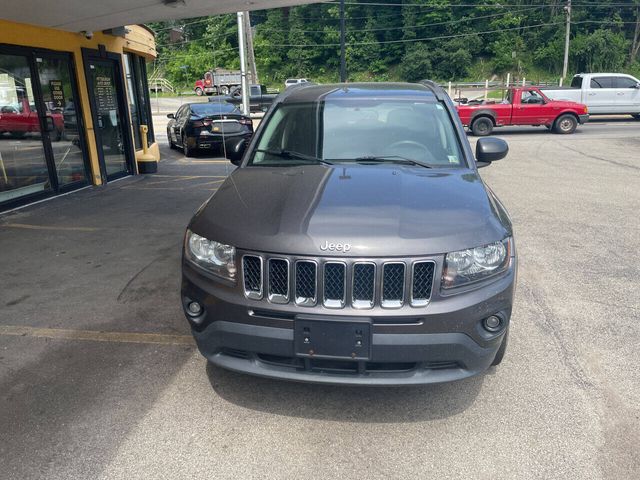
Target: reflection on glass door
109, 117
23, 165
62, 118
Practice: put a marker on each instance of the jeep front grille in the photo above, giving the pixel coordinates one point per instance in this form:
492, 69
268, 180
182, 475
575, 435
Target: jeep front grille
360, 284
421, 283
306, 283
252, 274
334, 284
363, 285
278, 280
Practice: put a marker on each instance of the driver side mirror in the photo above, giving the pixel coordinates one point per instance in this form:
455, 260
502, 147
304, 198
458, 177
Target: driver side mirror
235, 150
170, 115
489, 150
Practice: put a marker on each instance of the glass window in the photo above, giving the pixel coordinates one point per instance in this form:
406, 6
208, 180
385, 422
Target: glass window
532, 96
602, 82
138, 97
203, 109
343, 130
576, 82
132, 96
62, 113
625, 82
23, 166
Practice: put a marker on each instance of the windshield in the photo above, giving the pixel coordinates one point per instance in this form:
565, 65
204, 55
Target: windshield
359, 129
204, 109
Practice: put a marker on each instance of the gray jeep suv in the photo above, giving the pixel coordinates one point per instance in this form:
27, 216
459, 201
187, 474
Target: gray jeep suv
355, 244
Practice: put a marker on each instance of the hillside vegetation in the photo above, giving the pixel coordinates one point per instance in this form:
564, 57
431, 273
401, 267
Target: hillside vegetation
395, 40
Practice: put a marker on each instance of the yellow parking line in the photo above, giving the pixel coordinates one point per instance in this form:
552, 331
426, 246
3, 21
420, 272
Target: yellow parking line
96, 336
202, 161
49, 227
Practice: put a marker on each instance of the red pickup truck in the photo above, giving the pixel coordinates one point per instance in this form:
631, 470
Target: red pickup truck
523, 106
19, 119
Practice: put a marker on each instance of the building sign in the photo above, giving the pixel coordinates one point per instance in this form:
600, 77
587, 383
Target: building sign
57, 94
105, 94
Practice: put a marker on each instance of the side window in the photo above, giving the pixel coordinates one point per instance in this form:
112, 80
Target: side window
602, 82
531, 97
625, 82
255, 91
182, 113
577, 82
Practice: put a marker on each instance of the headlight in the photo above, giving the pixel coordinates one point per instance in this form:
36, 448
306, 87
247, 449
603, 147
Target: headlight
473, 264
215, 257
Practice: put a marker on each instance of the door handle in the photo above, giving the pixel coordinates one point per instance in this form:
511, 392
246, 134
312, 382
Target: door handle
620, 93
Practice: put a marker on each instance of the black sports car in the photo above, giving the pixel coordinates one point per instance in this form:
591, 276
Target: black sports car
207, 126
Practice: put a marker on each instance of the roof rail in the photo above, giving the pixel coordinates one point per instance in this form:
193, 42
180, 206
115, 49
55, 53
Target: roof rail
434, 87
289, 90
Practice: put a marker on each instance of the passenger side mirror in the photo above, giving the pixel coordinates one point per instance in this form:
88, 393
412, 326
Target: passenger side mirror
489, 150
170, 115
235, 150
638, 85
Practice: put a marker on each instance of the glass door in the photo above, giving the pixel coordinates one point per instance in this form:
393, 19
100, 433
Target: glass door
23, 162
63, 120
109, 118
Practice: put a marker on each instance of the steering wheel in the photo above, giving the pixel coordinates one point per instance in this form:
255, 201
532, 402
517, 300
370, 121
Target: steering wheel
410, 143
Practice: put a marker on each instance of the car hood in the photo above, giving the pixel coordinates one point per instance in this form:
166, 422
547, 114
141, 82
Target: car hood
379, 210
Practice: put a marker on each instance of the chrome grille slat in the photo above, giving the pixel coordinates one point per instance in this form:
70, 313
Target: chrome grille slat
392, 285
363, 285
278, 280
252, 276
422, 283
333, 283
306, 278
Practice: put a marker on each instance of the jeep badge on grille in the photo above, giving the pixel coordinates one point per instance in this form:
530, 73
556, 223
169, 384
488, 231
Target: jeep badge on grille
335, 247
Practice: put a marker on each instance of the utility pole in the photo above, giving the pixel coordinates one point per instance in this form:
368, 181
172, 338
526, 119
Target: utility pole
343, 61
565, 66
251, 57
242, 40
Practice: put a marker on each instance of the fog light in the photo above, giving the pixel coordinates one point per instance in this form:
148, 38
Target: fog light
194, 309
492, 323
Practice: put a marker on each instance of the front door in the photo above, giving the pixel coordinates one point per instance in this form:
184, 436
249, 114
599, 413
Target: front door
109, 116
41, 148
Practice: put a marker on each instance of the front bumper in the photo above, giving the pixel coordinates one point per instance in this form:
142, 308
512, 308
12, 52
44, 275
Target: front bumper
441, 342
583, 118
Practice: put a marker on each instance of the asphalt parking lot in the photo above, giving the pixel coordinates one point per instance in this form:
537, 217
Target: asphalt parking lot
99, 377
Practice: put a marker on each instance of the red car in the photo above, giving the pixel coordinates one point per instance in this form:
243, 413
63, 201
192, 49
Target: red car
523, 106
19, 119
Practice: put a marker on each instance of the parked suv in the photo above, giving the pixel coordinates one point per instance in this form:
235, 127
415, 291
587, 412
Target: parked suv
355, 244
290, 82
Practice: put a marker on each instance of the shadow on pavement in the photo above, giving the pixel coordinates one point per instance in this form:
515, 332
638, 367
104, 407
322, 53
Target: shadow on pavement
340, 403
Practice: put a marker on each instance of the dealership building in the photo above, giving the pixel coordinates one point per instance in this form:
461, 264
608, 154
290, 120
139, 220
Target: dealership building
73, 107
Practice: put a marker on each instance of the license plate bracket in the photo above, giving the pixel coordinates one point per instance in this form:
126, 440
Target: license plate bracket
338, 338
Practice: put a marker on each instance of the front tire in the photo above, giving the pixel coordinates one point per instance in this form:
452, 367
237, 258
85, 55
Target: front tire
636, 116
565, 124
199, 91
481, 127
172, 145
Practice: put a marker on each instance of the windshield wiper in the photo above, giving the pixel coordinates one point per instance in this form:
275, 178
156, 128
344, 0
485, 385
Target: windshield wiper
293, 155
392, 159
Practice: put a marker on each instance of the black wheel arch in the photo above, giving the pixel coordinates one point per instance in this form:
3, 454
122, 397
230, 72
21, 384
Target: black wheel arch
483, 113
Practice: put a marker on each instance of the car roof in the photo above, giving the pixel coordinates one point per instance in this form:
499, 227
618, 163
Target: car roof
310, 92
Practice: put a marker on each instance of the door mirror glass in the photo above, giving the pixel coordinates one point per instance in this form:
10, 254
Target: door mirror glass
170, 115
489, 150
235, 150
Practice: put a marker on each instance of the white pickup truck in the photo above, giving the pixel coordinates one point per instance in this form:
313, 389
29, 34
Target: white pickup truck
603, 93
